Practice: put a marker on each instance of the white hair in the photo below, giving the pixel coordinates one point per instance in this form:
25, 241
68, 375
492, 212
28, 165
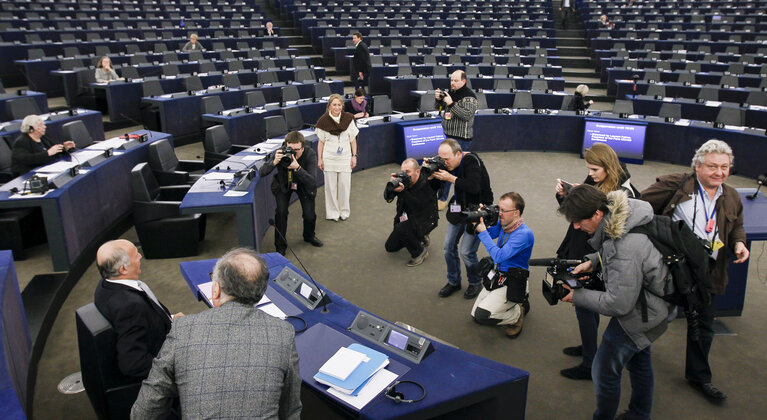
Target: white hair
712, 146
30, 121
582, 89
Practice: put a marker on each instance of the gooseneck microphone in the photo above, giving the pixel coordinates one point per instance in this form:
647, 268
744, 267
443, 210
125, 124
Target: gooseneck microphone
322, 294
759, 182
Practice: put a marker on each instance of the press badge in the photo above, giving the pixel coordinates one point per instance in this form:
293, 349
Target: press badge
717, 245
448, 115
340, 150
293, 186
403, 217
455, 208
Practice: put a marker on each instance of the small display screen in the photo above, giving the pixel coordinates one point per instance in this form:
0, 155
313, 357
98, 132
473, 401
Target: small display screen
422, 140
627, 139
397, 340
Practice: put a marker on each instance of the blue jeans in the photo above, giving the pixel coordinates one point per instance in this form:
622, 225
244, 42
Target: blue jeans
616, 352
444, 191
469, 247
588, 325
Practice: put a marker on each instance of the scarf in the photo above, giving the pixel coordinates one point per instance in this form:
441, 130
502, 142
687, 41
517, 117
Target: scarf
461, 93
359, 107
514, 226
326, 123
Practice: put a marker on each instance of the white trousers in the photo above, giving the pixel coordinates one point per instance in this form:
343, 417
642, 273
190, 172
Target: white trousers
495, 302
338, 187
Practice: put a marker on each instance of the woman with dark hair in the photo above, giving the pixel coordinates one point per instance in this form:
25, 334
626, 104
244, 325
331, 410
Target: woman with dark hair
607, 174
359, 105
337, 156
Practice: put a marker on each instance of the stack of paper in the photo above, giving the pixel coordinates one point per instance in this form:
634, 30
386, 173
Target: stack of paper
350, 369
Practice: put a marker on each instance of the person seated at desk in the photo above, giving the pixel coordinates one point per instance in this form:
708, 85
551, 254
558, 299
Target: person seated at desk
578, 103
359, 105
269, 29
230, 361
32, 148
192, 45
104, 71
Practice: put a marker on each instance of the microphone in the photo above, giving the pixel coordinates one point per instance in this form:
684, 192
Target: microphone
322, 294
759, 182
137, 123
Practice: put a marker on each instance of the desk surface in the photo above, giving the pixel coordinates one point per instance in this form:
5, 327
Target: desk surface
453, 378
14, 343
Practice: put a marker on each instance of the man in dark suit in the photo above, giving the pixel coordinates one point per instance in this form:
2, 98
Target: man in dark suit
361, 61
231, 361
140, 320
269, 29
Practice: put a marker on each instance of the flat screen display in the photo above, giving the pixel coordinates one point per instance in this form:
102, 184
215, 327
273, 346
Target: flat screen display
397, 340
627, 139
422, 140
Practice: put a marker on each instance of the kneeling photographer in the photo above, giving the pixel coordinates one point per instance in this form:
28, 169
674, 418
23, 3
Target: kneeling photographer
635, 279
503, 299
295, 165
416, 210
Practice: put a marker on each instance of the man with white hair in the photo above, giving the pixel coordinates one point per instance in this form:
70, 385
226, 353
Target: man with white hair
32, 148
714, 212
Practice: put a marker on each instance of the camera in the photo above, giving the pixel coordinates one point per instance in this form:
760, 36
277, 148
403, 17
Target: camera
287, 155
441, 95
399, 178
433, 164
488, 213
559, 270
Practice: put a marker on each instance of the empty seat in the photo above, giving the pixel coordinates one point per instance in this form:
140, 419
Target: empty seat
523, 100
669, 110
17, 109
304, 75
35, 53
168, 169
212, 105
757, 98
426, 103
71, 63
193, 83
481, 100
503, 85
321, 90
730, 116
235, 65
293, 120
567, 103
138, 59
275, 126
217, 146
231, 80
289, 93
539, 85
623, 106
170, 70
267, 77
382, 105
77, 132
656, 90
207, 67
709, 94
255, 99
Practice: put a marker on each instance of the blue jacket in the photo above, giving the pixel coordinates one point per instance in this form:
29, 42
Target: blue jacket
515, 247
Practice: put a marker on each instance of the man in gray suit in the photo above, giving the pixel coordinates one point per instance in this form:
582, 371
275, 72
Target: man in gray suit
232, 361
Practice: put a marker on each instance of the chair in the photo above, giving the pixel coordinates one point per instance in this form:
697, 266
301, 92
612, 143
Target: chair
322, 90
669, 110
535, 71
709, 94
231, 80
293, 119
195, 56
424, 84
212, 105
132, 49
193, 83
226, 55
501, 71
730, 116
35, 54
17, 109
289, 93
267, 64
426, 103
168, 169
207, 67
235, 65
77, 132
623, 106
170, 70
217, 146
656, 90
501, 85
539, 85
730, 80
275, 126
150, 113
255, 99
138, 59
567, 102
71, 63
110, 392
757, 98
71, 52
472, 71
160, 229
686, 78
382, 105
404, 71
267, 77
152, 88
102, 50
523, 100
304, 75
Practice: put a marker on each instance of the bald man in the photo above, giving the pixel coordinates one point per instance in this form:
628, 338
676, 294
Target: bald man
140, 320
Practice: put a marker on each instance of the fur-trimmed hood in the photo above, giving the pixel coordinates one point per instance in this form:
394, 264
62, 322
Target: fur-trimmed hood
624, 214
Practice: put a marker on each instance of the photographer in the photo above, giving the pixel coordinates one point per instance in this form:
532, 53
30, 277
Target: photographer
714, 212
472, 187
635, 277
416, 211
456, 107
295, 173
504, 305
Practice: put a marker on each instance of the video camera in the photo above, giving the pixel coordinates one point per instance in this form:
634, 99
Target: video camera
399, 178
433, 164
287, 155
559, 270
488, 213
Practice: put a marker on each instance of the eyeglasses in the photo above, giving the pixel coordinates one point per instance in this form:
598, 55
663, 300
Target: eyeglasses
507, 211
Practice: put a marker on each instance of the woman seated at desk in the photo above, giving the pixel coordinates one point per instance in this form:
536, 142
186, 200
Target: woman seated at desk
104, 71
192, 45
32, 148
359, 105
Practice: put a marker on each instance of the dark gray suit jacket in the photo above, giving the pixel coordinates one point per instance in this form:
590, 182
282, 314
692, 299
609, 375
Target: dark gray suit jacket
234, 361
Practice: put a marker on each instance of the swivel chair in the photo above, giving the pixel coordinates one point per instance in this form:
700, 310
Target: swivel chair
168, 169
217, 146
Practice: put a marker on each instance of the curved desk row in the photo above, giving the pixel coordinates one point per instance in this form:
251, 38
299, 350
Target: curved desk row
87, 205
455, 381
54, 121
15, 345
736, 95
40, 99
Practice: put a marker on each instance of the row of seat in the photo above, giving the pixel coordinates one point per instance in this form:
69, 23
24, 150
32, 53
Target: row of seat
707, 93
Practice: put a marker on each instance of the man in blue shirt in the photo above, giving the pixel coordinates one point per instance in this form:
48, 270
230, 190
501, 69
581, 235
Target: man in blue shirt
510, 254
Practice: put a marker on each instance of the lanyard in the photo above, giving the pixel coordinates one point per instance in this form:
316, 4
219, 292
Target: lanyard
501, 239
710, 221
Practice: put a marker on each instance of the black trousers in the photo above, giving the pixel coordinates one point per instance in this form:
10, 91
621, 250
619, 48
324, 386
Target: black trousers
696, 367
281, 217
405, 235
360, 83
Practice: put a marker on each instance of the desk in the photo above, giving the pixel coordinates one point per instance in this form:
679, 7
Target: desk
735, 95
454, 380
86, 206
755, 117
40, 98
92, 120
15, 344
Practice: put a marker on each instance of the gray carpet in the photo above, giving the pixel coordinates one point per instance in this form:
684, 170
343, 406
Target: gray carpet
354, 264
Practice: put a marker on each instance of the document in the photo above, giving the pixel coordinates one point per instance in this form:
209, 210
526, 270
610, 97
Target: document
273, 310
370, 390
56, 167
207, 291
215, 176
113, 143
343, 363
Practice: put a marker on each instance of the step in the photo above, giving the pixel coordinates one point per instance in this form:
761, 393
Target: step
571, 33
575, 72
573, 52
576, 62
571, 42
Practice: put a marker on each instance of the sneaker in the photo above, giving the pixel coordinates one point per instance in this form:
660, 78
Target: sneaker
426, 241
575, 351
472, 291
514, 330
578, 372
441, 205
419, 259
448, 290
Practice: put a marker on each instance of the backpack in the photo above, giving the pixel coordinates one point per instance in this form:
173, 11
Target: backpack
689, 262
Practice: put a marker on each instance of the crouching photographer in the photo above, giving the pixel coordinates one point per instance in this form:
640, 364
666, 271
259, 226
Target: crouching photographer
635, 279
503, 299
416, 210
